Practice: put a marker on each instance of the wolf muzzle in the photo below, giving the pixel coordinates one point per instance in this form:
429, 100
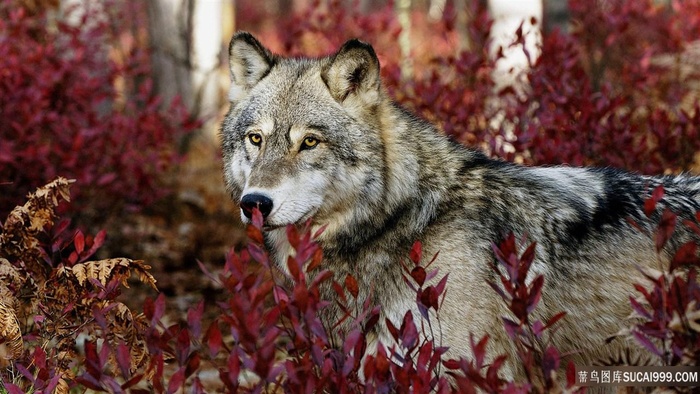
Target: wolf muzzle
250, 201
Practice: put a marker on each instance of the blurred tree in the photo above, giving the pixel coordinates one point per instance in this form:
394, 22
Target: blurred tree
186, 38
556, 15
169, 32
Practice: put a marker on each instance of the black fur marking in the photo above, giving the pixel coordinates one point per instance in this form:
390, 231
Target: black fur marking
621, 200
272, 62
347, 244
480, 160
355, 79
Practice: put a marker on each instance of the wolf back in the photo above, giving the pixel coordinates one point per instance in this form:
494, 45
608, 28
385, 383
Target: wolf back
320, 139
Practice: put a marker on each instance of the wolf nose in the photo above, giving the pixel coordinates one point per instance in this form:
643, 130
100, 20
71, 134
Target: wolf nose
250, 201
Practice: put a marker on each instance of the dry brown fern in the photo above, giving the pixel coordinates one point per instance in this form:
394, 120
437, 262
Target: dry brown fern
18, 240
105, 270
11, 345
56, 299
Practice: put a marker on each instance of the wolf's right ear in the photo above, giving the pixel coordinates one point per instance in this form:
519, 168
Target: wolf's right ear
353, 72
249, 62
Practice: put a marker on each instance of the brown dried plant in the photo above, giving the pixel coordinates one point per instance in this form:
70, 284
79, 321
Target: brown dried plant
53, 300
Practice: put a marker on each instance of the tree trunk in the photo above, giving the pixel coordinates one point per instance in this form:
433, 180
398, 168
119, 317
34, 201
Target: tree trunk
170, 32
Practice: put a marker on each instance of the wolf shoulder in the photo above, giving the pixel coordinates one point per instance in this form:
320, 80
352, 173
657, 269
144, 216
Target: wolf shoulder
569, 200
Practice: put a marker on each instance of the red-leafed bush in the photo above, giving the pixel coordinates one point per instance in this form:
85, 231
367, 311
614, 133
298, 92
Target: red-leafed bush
605, 96
77, 101
668, 305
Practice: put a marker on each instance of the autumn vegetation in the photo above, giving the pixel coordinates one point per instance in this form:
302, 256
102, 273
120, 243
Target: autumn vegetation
85, 135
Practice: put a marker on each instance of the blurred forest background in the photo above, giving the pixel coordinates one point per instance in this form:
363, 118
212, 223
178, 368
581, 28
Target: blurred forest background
125, 97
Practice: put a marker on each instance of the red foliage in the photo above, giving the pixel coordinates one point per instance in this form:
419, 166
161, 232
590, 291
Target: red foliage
668, 304
280, 342
75, 105
604, 96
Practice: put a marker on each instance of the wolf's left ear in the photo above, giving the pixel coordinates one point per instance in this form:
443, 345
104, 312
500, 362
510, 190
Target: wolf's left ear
249, 62
353, 71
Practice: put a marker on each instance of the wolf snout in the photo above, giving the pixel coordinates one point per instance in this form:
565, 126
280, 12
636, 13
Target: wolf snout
250, 201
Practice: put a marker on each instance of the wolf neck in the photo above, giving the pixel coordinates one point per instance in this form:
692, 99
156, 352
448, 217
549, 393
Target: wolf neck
409, 197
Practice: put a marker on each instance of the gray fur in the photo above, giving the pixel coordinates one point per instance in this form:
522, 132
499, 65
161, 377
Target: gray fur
380, 178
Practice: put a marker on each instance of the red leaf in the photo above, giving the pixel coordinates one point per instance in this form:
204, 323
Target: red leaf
159, 305
132, 382
392, 329
99, 240
650, 203
149, 308
176, 381
512, 328
554, 319
685, 256
416, 252
350, 341
194, 319
255, 234
498, 290
340, 292
382, 362
293, 268
451, 364
418, 274
550, 361
440, 287
644, 341
429, 298
60, 227
519, 308
319, 231
79, 241
372, 320
667, 225
293, 236
92, 361
301, 296
649, 206
535, 293
39, 356
192, 364
316, 260
528, 255
124, 359
479, 349
12, 389
692, 226
570, 375
351, 285
257, 219
409, 332
637, 307
424, 353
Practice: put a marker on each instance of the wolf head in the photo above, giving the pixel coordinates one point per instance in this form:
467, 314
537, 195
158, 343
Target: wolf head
301, 137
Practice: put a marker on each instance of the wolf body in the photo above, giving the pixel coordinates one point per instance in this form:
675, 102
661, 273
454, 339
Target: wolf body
320, 139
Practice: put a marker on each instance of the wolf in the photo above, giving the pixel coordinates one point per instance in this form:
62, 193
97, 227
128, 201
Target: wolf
320, 139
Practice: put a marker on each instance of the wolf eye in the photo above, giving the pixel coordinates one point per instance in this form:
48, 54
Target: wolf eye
255, 139
309, 143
